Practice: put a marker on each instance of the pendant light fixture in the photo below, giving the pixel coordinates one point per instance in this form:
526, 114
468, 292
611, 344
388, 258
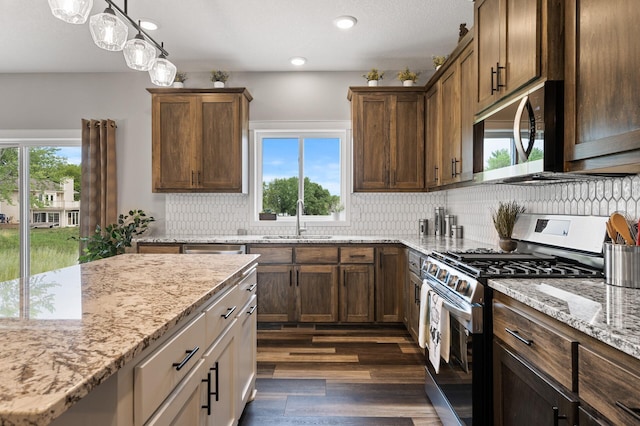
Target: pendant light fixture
71, 11
109, 32
162, 71
139, 53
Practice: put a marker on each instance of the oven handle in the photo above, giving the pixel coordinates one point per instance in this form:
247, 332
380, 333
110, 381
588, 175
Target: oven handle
453, 309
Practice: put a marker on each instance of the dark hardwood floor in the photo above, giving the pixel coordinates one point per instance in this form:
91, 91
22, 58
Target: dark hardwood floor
338, 375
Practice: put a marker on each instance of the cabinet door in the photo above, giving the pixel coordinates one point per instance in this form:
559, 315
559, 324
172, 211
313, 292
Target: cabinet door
602, 112
389, 284
160, 248
371, 115
415, 284
522, 39
246, 353
220, 131
432, 137
316, 293
487, 40
407, 142
467, 110
174, 142
450, 107
222, 362
356, 293
276, 293
522, 396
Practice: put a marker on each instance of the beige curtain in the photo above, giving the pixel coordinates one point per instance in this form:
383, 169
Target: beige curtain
99, 198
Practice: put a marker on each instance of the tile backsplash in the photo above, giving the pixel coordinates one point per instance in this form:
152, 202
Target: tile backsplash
398, 213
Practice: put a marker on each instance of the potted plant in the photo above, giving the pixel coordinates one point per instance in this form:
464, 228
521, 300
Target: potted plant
373, 76
179, 80
408, 77
267, 215
114, 238
335, 208
504, 218
219, 78
438, 61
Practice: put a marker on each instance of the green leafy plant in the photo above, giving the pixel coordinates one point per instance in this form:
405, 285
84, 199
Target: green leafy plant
114, 238
504, 218
181, 77
406, 74
374, 74
438, 60
218, 75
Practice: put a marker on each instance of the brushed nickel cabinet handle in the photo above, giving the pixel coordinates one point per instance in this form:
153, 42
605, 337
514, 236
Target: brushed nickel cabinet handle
633, 412
229, 312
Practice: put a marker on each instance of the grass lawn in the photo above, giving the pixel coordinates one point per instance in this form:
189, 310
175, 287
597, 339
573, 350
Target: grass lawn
50, 249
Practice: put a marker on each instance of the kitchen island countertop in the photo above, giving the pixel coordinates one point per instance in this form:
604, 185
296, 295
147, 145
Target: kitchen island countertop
607, 313
70, 329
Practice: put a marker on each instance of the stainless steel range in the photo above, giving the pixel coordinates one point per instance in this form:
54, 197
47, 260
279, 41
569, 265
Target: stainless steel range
548, 246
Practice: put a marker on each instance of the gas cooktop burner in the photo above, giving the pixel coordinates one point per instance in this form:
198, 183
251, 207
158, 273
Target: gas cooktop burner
493, 264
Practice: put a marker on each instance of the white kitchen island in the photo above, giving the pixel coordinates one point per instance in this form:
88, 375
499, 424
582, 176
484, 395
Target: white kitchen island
76, 341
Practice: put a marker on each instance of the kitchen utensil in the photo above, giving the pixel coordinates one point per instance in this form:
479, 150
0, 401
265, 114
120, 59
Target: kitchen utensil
622, 227
611, 233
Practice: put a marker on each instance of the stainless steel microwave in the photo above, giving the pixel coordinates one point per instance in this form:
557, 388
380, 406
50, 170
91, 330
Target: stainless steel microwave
522, 140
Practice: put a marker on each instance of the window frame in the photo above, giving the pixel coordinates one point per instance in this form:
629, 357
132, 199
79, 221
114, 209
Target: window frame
300, 130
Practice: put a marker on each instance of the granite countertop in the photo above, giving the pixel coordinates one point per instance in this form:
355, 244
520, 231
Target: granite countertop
607, 313
77, 326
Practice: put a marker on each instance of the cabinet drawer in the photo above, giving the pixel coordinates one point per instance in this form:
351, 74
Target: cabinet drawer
414, 262
316, 254
248, 287
609, 386
356, 255
157, 376
273, 254
221, 313
547, 349
160, 248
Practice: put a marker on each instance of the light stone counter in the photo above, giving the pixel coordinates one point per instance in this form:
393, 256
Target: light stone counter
607, 313
68, 330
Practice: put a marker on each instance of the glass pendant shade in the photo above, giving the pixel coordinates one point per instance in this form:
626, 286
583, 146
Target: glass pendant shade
139, 53
108, 31
71, 11
162, 71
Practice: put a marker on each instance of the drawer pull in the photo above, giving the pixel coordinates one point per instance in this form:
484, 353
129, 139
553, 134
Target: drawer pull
208, 406
358, 255
190, 353
517, 336
557, 417
252, 310
253, 287
229, 312
633, 412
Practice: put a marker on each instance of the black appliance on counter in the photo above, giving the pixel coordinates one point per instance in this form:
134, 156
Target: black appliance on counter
553, 246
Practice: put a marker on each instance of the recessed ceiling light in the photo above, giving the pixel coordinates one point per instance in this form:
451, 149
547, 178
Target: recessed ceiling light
298, 60
345, 22
148, 25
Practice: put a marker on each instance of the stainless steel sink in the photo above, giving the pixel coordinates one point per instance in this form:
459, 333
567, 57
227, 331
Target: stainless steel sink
297, 237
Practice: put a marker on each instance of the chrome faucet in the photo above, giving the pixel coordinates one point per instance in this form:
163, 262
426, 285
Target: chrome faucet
299, 212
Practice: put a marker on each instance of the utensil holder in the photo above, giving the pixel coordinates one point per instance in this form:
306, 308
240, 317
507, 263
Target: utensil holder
622, 265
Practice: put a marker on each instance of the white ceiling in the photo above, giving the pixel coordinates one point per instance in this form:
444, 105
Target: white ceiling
243, 35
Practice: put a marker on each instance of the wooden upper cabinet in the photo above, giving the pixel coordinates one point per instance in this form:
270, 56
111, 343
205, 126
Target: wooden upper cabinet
450, 109
199, 139
388, 134
516, 42
602, 112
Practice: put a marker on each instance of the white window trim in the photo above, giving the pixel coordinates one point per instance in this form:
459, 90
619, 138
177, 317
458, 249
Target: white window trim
287, 129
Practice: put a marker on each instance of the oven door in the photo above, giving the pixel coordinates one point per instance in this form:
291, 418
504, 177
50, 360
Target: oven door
461, 392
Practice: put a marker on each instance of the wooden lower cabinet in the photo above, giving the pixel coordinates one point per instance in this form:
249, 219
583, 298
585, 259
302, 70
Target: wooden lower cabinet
160, 248
414, 284
389, 284
356, 293
276, 295
316, 289
523, 396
